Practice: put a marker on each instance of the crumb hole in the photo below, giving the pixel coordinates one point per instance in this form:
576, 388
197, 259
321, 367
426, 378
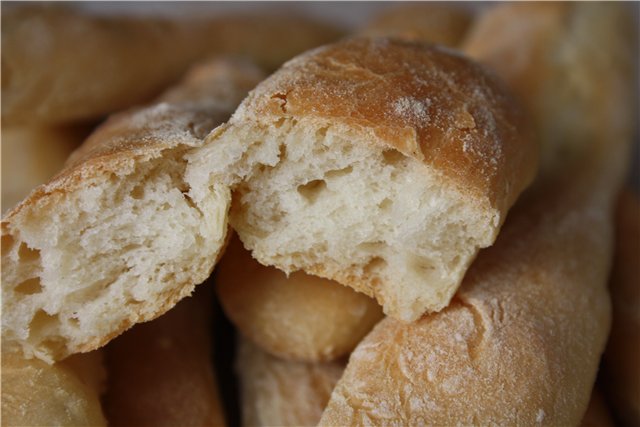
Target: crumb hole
371, 246
41, 321
312, 189
421, 265
29, 287
278, 124
137, 192
283, 152
385, 205
375, 264
392, 157
338, 173
321, 133
26, 254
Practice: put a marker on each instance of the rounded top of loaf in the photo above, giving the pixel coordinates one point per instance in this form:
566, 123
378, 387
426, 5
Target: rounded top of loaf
425, 101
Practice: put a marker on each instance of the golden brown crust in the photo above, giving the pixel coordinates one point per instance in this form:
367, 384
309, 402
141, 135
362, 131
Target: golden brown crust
276, 392
161, 372
67, 393
437, 107
621, 372
299, 317
438, 23
119, 61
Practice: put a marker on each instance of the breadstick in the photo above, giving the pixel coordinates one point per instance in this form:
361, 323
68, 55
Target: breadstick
118, 237
438, 23
276, 392
621, 371
382, 164
64, 394
161, 372
301, 317
63, 64
32, 155
521, 341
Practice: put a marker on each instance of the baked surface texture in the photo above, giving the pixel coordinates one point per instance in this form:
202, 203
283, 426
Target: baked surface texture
65, 394
521, 341
118, 237
300, 317
161, 372
276, 392
382, 164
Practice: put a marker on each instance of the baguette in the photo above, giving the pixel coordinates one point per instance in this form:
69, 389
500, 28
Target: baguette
276, 392
32, 155
64, 394
621, 373
386, 175
521, 341
299, 317
438, 23
120, 61
118, 237
161, 372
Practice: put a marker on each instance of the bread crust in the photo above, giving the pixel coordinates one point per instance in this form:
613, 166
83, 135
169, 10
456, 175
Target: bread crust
300, 317
160, 372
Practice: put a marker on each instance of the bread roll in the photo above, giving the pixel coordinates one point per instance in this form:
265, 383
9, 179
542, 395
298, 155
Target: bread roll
118, 237
31, 155
621, 370
161, 372
276, 392
63, 64
63, 394
299, 317
384, 165
438, 23
521, 341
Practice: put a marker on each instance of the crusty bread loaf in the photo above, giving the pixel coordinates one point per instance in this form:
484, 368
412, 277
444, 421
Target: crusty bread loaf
382, 164
299, 317
567, 109
621, 374
276, 392
438, 23
161, 372
521, 341
64, 394
31, 155
118, 237
65, 63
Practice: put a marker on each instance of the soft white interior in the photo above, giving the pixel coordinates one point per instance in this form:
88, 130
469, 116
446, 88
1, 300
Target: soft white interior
108, 254
320, 198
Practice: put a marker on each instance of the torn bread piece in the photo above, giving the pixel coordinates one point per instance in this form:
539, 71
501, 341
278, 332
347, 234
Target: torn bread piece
118, 237
300, 317
382, 164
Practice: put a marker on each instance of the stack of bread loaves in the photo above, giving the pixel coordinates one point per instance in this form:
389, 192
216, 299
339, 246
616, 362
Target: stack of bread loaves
358, 202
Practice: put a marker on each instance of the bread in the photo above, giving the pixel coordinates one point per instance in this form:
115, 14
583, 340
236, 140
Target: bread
32, 155
276, 392
161, 372
438, 23
567, 109
598, 414
118, 237
621, 373
382, 164
299, 317
64, 394
119, 61
521, 341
